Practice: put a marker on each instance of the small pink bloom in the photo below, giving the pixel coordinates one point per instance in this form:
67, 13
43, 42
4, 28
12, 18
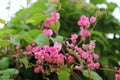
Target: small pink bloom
97, 65
80, 23
69, 45
36, 49
90, 65
38, 61
26, 53
16, 55
38, 69
37, 55
95, 56
47, 22
84, 33
33, 44
48, 32
117, 76
70, 59
58, 46
78, 68
28, 48
92, 19
85, 55
87, 24
60, 59
47, 57
83, 18
74, 37
90, 59
53, 50
46, 48
55, 16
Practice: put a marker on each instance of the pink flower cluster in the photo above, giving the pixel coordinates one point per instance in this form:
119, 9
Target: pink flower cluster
54, 18
86, 54
84, 22
117, 75
49, 54
73, 38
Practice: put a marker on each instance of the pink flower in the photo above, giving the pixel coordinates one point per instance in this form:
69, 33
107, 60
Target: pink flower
55, 16
28, 48
95, 56
58, 46
92, 19
96, 65
70, 59
74, 37
33, 44
36, 49
84, 21
83, 18
47, 22
90, 65
90, 59
47, 32
117, 76
69, 45
85, 55
60, 59
26, 53
92, 44
84, 33
53, 50
38, 69
37, 55
80, 23
87, 24
38, 61
46, 48
78, 68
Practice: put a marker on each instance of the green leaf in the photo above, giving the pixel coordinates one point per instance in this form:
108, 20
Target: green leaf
93, 75
25, 62
55, 26
58, 39
15, 41
4, 63
97, 1
42, 40
111, 6
4, 43
34, 32
64, 75
2, 21
8, 73
27, 38
36, 19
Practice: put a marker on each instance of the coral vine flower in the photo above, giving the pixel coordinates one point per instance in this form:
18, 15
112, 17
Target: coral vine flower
92, 19
74, 37
78, 68
38, 69
47, 32
117, 76
84, 33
